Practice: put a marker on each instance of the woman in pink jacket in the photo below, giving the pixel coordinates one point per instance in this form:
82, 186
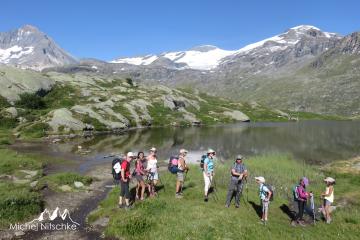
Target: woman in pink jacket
303, 195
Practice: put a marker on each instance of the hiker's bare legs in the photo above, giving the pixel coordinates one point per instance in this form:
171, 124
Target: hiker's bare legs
142, 185
137, 191
178, 186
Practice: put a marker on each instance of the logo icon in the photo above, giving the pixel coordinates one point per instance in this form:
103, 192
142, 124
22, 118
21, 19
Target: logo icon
46, 215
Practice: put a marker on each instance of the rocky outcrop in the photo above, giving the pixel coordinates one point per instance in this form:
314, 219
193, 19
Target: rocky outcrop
14, 82
64, 118
87, 110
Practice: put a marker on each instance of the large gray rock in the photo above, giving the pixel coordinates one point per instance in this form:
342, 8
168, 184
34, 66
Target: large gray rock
64, 117
14, 82
237, 115
87, 110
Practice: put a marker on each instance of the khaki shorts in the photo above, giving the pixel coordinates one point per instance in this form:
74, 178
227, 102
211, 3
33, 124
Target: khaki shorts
180, 176
265, 206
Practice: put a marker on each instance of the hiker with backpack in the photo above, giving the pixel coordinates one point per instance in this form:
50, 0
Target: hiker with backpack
300, 197
152, 169
265, 194
328, 196
182, 170
208, 172
139, 174
239, 174
125, 180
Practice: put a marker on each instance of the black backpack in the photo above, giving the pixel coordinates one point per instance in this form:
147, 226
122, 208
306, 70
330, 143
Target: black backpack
271, 189
115, 161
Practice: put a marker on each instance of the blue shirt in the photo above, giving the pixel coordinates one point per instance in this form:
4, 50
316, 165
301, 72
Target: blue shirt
210, 164
263, 191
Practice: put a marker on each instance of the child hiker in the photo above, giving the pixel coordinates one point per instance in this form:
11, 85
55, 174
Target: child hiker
265, 194
328, 196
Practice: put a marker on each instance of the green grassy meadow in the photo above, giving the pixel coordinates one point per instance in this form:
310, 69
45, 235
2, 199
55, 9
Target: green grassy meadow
166, 217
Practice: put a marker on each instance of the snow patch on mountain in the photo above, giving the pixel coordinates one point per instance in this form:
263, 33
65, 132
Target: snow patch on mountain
14, 52
200, 58
207, 57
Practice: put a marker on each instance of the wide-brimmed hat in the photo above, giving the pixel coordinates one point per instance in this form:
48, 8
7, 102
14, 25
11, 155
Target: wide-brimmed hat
183, 151
130, 154
260, 179
153, 149
239, 157
329, 179
210, 151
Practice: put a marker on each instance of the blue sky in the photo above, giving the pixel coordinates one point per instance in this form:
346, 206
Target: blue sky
111, 28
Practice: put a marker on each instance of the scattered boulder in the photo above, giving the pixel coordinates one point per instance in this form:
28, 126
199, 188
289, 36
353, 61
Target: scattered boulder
190, 117
78, 184
12, 112
237, 115
19, 233
65, 188
29, 173
33, 184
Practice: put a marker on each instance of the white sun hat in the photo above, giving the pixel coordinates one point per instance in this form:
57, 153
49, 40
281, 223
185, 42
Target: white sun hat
329, 179
210, 151
183, 150
260, 179
130, 154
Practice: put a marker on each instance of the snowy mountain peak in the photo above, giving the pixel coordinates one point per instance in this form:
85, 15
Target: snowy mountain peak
304, 28
28, 47
29, 28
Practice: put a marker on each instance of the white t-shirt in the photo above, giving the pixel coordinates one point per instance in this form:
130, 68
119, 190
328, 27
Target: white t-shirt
152, 165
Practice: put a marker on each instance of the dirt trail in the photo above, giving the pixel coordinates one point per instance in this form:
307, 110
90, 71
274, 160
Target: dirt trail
79, 204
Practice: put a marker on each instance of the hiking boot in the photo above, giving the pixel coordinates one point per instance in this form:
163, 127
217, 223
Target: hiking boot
237, 206
301, 223
293, 223
227, 206
206, 199
128, 207
121, 205
178, 195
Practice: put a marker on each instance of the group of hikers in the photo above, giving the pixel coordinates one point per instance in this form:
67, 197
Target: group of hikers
147, 176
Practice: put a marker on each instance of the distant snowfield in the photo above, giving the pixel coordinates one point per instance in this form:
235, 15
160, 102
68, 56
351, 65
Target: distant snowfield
212, 57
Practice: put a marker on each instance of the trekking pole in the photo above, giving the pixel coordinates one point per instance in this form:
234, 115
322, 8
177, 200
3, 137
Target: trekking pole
214, 188
312, 203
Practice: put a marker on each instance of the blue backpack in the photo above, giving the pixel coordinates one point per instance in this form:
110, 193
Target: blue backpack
173, 165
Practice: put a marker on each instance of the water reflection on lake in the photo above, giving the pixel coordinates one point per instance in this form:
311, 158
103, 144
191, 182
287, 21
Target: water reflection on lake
311, 141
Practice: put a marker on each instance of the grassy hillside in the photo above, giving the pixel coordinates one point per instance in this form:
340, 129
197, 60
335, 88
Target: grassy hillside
191, 218
106, 103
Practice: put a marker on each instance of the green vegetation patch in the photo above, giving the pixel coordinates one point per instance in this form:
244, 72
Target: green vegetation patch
54, 181
17, 203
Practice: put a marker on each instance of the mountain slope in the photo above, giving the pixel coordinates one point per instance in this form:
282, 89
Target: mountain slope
27, 47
